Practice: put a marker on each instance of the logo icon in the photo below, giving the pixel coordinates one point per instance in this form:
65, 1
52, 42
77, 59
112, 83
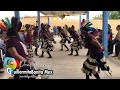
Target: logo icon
11, 64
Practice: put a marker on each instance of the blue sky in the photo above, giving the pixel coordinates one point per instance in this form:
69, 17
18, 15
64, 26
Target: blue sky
4, 14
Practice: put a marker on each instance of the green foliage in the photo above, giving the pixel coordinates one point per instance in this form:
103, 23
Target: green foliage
112, 15
98, 17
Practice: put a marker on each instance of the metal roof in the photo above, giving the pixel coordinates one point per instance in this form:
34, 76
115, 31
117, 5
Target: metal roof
60, 13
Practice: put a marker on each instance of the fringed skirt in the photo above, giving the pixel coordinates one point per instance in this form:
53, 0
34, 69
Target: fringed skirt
63, 41
93, 61
30, 52
47, 46
74, 45
50, 45
36, 43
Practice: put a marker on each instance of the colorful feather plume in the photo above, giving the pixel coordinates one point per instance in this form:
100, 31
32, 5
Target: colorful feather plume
13, 23
8, 22
4, 22
86, 26
85, 23
3, 27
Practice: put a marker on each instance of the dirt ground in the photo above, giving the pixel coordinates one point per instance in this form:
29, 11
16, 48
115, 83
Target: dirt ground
68, 67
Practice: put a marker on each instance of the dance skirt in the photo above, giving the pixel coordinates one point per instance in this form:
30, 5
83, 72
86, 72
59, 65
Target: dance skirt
47, 46
62, 41
36, 43
93, 61
74, 45
30, 52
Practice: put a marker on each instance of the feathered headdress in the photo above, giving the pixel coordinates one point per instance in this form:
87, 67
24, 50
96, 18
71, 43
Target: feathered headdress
3, 27
86, 25
6, 24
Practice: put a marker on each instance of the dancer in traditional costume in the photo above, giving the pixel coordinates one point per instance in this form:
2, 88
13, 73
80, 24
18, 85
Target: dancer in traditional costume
96, 51
76, 41
51, 37
47, 40
29, 40
63, 36
35, 40
95, 34
66, 29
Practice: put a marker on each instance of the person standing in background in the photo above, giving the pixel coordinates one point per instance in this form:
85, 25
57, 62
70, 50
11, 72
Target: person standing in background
55, 30
115, 40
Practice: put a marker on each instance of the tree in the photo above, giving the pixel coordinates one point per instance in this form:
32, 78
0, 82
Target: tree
114, 14
98, 17
111, 15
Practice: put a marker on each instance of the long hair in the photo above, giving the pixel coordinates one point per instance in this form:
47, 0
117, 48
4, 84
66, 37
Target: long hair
12, 33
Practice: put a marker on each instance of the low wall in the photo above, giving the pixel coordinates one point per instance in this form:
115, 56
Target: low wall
70, 22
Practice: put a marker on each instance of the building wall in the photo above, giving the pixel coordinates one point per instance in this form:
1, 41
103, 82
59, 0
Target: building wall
57, 22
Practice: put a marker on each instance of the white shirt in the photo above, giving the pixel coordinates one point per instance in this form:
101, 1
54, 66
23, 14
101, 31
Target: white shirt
51, 31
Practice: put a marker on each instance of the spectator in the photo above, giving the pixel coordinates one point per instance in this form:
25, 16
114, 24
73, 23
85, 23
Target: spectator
100, 35
14, 47
51, 31
117, 50
115, 40
55, 30
110, 35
